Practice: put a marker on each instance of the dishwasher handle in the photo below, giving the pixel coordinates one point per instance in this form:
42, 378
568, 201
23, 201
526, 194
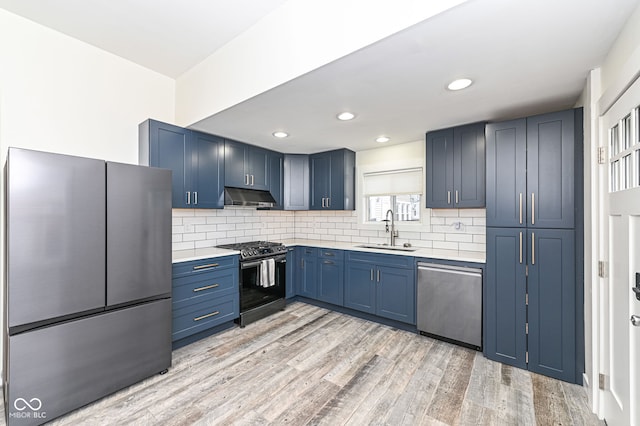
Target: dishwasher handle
458, 270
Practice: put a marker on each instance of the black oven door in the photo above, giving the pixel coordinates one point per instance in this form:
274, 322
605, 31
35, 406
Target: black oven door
254, 292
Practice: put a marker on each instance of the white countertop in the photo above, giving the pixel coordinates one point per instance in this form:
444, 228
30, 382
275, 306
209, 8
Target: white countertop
201, 253
460, 256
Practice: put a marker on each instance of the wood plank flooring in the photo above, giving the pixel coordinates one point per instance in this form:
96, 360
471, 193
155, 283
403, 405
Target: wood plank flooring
308, 365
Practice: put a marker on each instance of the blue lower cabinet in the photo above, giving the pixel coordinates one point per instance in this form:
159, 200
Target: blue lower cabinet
530, 321
552, 308
205, 294
307, 284
292, 270
331, 276
505, 308
382, 285
360, 287
395, 295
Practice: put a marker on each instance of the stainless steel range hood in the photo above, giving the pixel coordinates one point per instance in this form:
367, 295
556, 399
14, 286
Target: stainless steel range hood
247, 197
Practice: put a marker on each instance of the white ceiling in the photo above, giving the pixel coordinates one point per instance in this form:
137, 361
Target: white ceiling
526, 57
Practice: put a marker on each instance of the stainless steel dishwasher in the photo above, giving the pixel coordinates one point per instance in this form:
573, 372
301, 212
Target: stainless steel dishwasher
449, 304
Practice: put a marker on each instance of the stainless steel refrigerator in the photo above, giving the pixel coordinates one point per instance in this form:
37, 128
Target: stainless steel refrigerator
87, 300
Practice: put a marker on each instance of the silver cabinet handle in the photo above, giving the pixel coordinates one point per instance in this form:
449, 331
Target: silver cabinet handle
448, 197
378, 275
328, 202
302, 263
371, 274
520, 246
329, 253
457, 198
328, 262
195, 197
188, 197
246, 179
323, 203
252, 180
521, 209
206, 287
533, 248
533, 208
210, 265
635, 320
212, 314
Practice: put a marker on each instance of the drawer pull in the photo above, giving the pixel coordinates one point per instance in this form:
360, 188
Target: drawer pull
210, 265
212, 314
328, 253
206, 287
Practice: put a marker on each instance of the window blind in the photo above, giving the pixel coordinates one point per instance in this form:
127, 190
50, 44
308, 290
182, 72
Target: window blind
393, 182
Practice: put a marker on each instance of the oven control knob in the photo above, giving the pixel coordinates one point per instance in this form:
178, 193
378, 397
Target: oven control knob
244, 253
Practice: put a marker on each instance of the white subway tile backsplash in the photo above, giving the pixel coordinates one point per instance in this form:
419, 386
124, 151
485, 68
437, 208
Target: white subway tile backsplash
208, 228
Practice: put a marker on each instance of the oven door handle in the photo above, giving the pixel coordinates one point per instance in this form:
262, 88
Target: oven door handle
277, 259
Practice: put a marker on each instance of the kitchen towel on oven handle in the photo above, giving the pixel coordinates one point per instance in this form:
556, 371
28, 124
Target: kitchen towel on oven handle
267, 273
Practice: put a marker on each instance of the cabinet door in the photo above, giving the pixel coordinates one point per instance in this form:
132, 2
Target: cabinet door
320, 165
169, 148
396, 294
258, 160
360, 287
550, 170
507, 173
207, 153
235, 172
276, 178
296, 182
307, 286
505, 297
292, 270
469, 166
440, 169
336, 194
552, 307
331, 281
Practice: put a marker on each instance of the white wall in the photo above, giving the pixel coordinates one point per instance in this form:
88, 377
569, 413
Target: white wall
296, 38
61, 95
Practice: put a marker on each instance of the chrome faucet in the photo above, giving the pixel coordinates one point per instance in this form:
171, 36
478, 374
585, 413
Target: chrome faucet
392, 238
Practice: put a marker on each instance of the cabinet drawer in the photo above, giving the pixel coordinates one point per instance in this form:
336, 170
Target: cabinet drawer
313, 251
398, 261
331, 254
203, 315
204, 265
187, 290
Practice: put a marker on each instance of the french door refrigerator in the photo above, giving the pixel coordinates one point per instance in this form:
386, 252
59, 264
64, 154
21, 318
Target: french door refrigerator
87, 300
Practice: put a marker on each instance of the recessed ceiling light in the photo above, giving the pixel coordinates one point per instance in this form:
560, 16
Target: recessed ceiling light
459, 84
280, 134
382, 139
346, 116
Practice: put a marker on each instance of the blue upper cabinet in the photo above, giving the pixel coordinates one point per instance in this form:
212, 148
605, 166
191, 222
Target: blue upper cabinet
276, 178
456, 167
507, 173
194, 158
246, 166
550, 170
296, 182
530, 172
332, 180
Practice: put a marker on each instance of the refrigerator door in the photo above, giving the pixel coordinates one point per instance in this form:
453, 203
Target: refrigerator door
55, 235
56, 369
138, 233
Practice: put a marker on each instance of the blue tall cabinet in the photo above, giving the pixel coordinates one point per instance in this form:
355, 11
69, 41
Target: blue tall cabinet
532, 297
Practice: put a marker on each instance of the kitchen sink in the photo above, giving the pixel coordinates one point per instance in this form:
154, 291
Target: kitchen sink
387, 247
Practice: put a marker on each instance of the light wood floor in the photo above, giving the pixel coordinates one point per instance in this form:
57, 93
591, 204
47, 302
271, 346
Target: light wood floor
308, 365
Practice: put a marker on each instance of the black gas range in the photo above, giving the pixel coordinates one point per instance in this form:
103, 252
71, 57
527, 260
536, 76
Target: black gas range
256, 249
262, 279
